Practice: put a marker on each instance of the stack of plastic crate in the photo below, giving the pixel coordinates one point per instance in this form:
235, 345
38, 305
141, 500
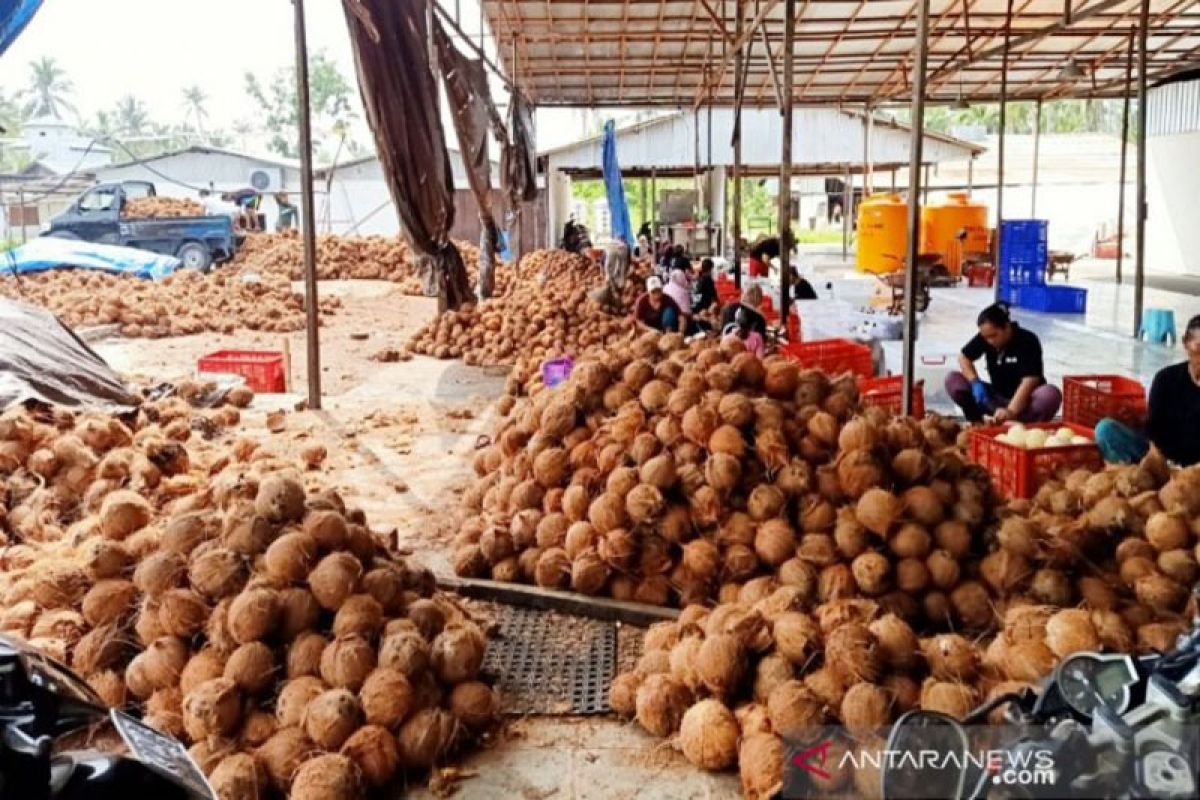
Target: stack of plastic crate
1024, 253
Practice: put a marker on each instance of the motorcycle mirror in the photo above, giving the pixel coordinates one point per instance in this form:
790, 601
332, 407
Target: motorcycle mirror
926, 757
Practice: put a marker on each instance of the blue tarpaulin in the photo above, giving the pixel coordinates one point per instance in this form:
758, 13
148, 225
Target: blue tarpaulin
618, 209
48, 253
14, 16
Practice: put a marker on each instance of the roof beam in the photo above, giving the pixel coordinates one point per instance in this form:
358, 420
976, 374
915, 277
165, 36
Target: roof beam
706, 91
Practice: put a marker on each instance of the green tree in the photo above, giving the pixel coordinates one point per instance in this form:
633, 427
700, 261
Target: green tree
131, 117
48, 89
10, 113
194, 100
330, 96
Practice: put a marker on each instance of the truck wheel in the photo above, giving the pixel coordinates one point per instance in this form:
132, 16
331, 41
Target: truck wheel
195, 256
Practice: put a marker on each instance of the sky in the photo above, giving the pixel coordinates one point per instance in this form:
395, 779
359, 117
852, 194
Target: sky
152, 49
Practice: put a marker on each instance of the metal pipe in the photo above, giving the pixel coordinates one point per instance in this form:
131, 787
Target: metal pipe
925, 186
971, 176
1000, 148
914, 205
1139, 256
1124, 151
867, 161
738, 88
785, 166
1037, 143
308, 213
847, 202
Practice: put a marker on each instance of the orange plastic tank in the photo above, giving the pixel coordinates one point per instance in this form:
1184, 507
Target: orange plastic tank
943, 224
882, 233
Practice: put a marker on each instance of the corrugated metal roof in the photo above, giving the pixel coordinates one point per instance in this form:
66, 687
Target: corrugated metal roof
670, 52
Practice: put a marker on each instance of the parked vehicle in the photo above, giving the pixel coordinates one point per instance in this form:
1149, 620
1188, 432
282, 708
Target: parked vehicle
95, 216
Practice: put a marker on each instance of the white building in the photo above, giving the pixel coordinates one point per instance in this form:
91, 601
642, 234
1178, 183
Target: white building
1173, 185
60, 148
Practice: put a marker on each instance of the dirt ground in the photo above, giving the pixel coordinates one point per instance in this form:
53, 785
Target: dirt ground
400, 438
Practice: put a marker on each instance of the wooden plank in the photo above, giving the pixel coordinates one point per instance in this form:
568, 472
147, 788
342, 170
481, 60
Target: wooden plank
601, 608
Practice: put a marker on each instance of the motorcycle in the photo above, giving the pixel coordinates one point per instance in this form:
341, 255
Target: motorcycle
43, 704
1102, 725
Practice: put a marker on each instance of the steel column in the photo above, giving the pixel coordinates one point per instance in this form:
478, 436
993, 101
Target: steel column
1139, 256
738, 88
847, 202
1124, 152
308, 212
1037, 144
914, 203
867, 161
1000, 149
785, 166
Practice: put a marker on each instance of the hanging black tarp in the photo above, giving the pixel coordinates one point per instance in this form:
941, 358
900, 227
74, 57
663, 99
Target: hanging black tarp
519, 163
473, 114
399, 93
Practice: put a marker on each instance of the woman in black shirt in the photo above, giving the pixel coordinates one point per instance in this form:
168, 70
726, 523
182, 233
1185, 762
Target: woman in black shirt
1018, 390
1173, 425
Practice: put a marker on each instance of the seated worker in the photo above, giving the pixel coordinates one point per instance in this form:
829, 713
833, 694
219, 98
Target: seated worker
706, 288
751, 302
679, 260
801, 288
744, 331
1018, 390
1173, 425
656, 310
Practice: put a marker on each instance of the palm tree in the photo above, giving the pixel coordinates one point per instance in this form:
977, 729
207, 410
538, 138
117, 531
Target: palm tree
48, 90
10, 113
194, 99
131, 116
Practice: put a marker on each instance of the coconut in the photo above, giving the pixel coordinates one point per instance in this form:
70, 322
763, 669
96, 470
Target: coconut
213, 708
851, 649
327, 528
644, 503
258, 727
105, 559
280, 499
823, 427
245, 532
425, 737
723, 471
729, 440
475, 705
951, 657
327, 777
708, 735
622, 693
238, 776
294, 697
761, 757
163, 712
1159, 637
589, 573
770, 672
877, 509
124, 512
796, 636
1005, 570
1166, 531
298, 611
251, 667
954, 699
282, 755
158, 572
1071, 631
795, 711
775, 542
217, 573
660, 704
347, 661
720, 662
374, 751
361, 614
185, 532
334, 579
457, 652
953, 536
289, 558
1027, 660
182, 612
331, 717
858, 471
109, 601
253, 614
897, 641
866, 707
871, 573
405, 651
101, 648
1160, 592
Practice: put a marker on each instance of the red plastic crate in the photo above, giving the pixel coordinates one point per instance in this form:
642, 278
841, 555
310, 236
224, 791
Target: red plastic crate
833, 356
887, 393
262, 369
1016, 472
1087, 399
980, 276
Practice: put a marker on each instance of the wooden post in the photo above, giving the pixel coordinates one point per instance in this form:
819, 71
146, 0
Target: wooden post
785, 165
1124, 151
914, 203
308, 212
1139, 256
1037, 143
869, 128
1000, 148
738, 88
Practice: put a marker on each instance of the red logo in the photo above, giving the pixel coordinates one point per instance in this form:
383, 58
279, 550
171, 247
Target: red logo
819, 754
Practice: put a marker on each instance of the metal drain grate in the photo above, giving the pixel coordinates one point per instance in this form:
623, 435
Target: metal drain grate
547, 663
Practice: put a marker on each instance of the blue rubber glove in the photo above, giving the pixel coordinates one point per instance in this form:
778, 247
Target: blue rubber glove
979, 390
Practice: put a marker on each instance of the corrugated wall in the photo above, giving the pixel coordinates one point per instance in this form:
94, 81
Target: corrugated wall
1174, 108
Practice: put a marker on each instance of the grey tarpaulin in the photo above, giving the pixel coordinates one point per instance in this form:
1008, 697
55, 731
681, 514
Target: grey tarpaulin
43, 359
472, 112
391, 52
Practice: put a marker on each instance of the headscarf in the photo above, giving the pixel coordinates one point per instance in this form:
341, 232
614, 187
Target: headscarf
752, 296
677, 289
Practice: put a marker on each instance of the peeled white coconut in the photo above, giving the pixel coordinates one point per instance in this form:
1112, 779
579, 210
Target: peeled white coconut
1065, 433
1035, 438
1017, 427
1080, 440
1057, 441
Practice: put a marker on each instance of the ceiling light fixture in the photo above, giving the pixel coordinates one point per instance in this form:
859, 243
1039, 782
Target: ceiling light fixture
1071, 71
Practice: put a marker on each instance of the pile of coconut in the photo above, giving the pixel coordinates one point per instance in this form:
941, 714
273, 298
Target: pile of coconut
260, 621
183, 303
1097, 562
387, 258
545, 313
161, 207
673, 473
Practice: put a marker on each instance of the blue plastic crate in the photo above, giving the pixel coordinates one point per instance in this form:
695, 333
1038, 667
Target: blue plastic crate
1049, 299
1023, 273
1024, 242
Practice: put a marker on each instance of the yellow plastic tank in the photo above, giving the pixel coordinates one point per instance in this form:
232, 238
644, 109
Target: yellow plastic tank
944, 223
882, 233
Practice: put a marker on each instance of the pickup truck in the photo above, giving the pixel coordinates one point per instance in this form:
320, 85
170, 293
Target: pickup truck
95, 216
